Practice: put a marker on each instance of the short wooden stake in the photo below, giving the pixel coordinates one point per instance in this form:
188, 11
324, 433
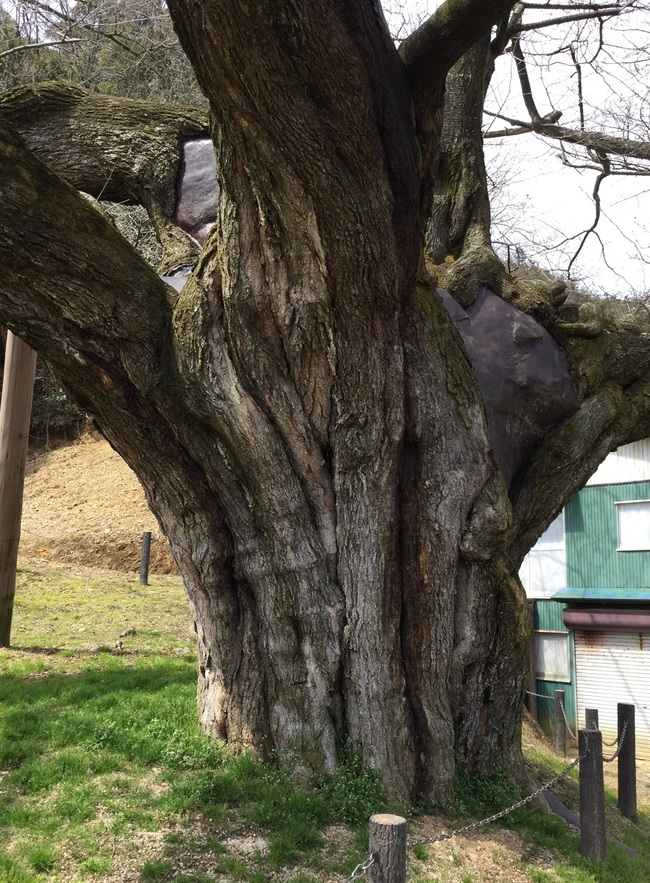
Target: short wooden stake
388, 849
560, 732
144, 558
591, 718
593, 835
627, 761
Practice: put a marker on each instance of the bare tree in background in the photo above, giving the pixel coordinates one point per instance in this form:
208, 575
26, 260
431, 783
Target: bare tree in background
119, 47
574, 77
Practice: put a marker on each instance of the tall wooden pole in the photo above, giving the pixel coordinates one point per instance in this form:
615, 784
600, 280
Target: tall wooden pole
15, 413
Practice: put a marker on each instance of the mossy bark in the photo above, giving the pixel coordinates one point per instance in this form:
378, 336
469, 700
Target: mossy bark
302, 416
135, 159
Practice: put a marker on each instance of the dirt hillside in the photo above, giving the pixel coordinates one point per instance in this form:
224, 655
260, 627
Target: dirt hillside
83, 505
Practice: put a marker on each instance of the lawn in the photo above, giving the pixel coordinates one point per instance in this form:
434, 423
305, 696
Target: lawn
105, 776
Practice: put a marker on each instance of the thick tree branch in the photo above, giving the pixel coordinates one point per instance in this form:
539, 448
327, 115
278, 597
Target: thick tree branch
428, 54
440, 41
569, 455
595, 141
560, 467
66, 267
112, 148
608, 347
93, 141
524, 81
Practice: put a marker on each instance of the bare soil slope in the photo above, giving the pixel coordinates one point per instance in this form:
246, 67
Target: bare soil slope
83, 505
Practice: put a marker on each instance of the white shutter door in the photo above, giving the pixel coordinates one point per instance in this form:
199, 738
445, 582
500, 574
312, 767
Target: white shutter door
613, 667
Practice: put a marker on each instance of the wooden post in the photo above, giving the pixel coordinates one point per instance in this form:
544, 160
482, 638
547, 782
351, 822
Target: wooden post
560, 731
15, 414
144, 558
593, 835
627, 761
388, 849
591, 718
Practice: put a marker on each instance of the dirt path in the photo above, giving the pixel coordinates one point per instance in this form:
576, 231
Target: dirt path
83, 505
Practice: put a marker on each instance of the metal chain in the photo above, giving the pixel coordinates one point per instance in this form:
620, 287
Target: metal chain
615, 742
360, 870
504, 812
539, 695
620, 745
568, 726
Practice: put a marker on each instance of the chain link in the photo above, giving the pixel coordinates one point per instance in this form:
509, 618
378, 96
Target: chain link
540, 695
503, 812
360, 870
616, 740
363, 867
620, 745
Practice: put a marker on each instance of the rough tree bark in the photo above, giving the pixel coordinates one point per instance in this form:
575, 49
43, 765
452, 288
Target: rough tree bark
302, 416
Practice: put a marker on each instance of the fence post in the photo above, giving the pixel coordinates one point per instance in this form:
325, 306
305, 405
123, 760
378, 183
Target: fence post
627, 761
388, 849
593, 835
560, 732
591, 718
144, 558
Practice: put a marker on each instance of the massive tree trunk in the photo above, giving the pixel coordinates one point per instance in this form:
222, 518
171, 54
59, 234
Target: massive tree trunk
303, 416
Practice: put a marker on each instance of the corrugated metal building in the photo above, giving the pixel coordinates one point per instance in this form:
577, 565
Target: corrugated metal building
592, 633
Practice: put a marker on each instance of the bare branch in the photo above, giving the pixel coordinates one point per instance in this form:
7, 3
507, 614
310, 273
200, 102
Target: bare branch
507, 133
605, 172
566, 19
524, 80
25, 46
592, 6
596, 141
581, 106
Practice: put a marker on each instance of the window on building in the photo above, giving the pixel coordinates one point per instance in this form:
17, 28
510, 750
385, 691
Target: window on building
552, 657
633, 525
553, 536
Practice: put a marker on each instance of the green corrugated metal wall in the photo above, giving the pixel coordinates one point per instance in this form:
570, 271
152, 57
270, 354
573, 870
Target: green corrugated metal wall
592, 537
548, 617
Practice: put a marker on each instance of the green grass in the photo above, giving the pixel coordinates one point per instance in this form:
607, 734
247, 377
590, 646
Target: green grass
100, 746
100, 753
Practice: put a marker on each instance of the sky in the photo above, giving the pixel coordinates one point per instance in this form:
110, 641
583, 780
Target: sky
542, 205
